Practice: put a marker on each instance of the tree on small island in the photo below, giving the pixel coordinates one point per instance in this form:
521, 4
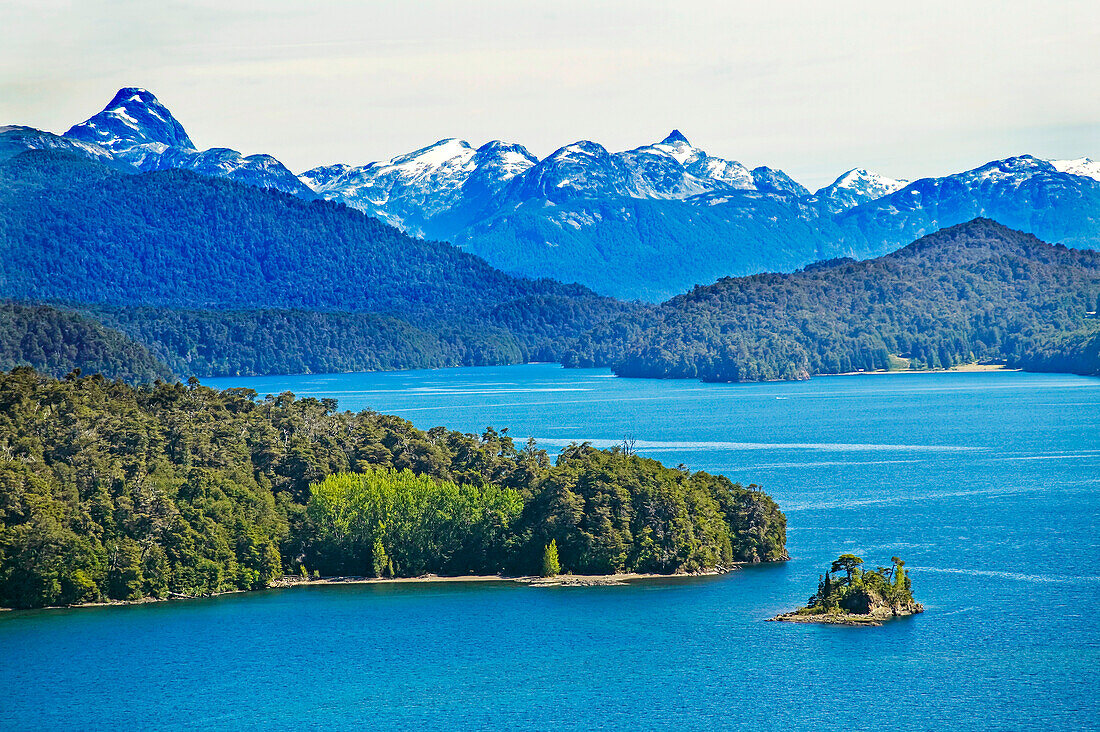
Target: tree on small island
850, 595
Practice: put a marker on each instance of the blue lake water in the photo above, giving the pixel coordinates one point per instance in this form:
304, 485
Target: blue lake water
988, 484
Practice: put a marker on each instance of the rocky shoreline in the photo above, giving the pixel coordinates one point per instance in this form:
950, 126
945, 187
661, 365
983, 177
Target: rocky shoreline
876, 617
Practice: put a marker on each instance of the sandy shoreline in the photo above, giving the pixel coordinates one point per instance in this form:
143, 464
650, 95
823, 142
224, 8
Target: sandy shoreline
961, 369
561, 580
288, 581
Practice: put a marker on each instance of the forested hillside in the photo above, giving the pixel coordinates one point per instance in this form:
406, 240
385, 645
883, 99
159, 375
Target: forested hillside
76, 231
651, 249
974, 292
55, 342
1076, 352
251, 342
113, 492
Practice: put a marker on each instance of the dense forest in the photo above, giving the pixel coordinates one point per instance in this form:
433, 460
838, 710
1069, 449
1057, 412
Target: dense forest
973, 292
1075, 352
109, 491
140, 344
56, 341
250, 342
220, 277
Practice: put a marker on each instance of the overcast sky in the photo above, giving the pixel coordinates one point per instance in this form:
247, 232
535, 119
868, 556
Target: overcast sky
909, 89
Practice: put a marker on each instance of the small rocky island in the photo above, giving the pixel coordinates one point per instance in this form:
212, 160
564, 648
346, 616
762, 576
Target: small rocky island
851, 595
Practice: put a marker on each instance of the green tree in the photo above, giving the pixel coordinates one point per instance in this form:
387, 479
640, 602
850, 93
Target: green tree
550, 564
847, 563
380, 561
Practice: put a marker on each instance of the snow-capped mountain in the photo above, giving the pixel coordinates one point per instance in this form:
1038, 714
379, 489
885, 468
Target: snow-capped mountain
646, 222
137, 130
134, 127
411, 190
855, 187
1022, 192
671, 169
1086, 167
442, 189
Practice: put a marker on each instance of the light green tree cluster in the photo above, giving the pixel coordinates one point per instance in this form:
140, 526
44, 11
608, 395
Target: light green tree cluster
394, 522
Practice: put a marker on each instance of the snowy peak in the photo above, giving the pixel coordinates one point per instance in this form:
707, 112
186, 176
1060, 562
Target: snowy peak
504, 159
1009, 171
863, 180
728, 173
583, 169
676, 147
134, 118
136, 129
318, 177
675, 137
776, 182
1085, 167
857, 186
1016, 164
444, 153
580, 149
132, 95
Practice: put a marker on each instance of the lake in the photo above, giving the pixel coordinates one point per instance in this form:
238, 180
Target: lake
987, 484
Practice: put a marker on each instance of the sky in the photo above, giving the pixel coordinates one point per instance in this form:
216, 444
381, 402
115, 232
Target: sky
908, 89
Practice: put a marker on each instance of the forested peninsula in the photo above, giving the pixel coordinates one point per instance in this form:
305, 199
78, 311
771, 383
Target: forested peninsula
114, 492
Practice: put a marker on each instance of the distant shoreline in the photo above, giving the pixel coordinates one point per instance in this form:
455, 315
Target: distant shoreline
960, 369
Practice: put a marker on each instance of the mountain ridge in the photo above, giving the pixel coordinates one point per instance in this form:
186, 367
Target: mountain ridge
588, 214
974, 291
77, 231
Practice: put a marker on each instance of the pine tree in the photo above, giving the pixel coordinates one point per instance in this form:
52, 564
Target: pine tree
550, 564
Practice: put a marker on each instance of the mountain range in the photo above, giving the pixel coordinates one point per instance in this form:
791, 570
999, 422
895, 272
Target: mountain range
143, 274
644, 223
216, 277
